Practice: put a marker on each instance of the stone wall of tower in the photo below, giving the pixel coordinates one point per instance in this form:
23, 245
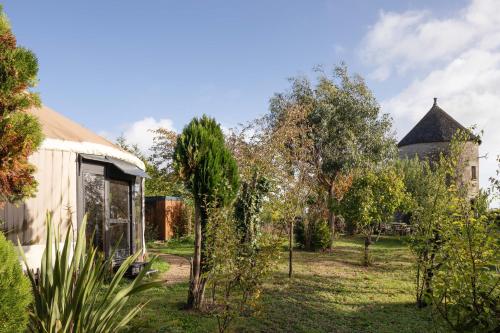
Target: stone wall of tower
469, 161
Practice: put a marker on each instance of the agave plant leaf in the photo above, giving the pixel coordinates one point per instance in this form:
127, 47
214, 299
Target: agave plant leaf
71, 293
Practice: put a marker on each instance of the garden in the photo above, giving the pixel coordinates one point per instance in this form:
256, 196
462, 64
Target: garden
328, 293
286, 226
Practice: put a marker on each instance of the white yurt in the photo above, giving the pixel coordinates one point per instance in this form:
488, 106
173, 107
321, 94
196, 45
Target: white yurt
78, 173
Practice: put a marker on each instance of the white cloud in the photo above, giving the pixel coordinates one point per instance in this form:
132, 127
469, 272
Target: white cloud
456, 59
140, 132
399, 42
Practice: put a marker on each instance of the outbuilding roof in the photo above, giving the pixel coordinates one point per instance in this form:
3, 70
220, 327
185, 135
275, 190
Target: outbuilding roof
57, 126
435, 126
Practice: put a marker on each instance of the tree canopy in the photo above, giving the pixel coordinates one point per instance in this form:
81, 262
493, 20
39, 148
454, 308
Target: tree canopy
205, 164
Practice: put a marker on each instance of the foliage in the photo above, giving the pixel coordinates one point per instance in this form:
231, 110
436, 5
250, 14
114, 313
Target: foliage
290, 135
248, 206
466, 287
372, 200
343, 125
20, 133
238, 267
329, 293
15, 292
205, 164
432, 185
314, 235
428, 199
210, 173
70, 291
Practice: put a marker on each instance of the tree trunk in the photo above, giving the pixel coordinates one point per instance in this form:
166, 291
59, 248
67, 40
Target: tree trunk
331, 218
426, 298
290, 249
196, 283
368, 241
308, 231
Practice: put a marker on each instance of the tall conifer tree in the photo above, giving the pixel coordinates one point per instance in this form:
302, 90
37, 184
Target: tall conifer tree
20, 132
210, 173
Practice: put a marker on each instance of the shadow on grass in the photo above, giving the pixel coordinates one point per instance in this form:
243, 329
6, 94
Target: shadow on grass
317, 304
330, 292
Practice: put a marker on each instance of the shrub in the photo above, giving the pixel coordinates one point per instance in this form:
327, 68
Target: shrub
15, 292
238, 268
72, 294
466, 287
312, 235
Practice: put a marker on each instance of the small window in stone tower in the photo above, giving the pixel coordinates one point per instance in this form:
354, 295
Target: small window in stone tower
473, 170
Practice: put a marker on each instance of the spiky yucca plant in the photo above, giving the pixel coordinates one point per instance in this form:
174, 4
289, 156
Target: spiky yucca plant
71, 294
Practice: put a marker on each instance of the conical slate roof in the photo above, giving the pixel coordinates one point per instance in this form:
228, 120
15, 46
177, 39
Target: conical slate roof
435, 126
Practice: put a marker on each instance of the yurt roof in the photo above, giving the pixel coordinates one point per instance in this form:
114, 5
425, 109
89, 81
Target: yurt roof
435, 126
62, 133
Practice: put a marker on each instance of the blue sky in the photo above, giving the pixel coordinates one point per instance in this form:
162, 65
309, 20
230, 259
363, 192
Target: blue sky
122, 66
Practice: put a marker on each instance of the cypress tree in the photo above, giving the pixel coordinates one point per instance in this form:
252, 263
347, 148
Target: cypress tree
210, 173
20, 133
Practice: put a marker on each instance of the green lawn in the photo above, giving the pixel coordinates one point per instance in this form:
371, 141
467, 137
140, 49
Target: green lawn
181, 247
331, 292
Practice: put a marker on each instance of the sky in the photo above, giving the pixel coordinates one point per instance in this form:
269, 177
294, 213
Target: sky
123, 67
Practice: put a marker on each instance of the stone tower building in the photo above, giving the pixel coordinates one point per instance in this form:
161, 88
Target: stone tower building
432, 135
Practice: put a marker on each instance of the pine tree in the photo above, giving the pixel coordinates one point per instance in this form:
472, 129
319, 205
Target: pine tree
20, 133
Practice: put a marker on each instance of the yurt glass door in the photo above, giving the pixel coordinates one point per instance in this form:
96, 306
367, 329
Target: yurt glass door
118, 221
112, 201
94, 191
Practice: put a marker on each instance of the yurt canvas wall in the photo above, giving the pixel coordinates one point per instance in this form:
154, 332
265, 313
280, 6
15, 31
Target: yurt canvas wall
68, 153
56, 176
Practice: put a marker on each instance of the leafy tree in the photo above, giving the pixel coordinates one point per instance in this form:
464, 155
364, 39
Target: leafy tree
428, 200
20, 133
163, 180
277, 150
345, 126
431, 185
289, 137
210, 173
372, 200
248, 206
466, 289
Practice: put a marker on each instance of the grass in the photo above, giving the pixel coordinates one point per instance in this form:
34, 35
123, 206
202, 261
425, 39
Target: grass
330, 292
179, 246
160, 266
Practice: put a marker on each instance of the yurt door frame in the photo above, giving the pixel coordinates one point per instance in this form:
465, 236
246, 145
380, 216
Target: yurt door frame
106, 196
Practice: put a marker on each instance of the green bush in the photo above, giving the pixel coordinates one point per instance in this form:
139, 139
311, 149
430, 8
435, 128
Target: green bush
312, 235
15, 291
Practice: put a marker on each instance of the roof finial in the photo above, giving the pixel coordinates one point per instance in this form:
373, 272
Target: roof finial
435, 101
